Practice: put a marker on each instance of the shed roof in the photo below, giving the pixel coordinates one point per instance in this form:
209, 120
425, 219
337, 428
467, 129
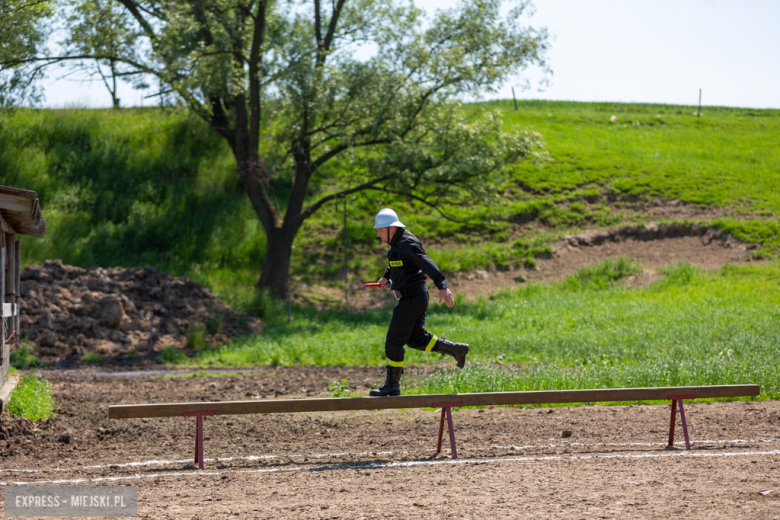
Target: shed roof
21, 211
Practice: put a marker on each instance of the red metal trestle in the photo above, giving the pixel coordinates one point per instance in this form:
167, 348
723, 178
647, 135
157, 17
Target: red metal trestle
675, 399
446, 409
198, 435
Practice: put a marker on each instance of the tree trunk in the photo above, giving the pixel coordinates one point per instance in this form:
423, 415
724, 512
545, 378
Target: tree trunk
280, 230
280, 234
276, 266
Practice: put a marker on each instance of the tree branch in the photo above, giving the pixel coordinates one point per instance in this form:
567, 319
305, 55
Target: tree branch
133, 7
433, 205
254, 81
25, 6
219, 121
318, 25
322, 159
154, 12
309, 211
331, 30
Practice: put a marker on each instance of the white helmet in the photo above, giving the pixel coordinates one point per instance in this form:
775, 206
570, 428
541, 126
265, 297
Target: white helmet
386, 218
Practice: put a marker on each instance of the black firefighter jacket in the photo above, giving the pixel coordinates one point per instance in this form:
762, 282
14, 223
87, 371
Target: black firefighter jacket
409, 263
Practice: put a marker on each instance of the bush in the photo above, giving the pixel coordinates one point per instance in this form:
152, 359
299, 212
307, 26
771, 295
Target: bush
196, 334
31, 399
272, 310
171, 355
214, 323
23, 356
92, 357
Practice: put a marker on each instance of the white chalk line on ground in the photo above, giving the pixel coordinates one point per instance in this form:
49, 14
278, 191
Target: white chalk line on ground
410, 464
365, 453
735, 441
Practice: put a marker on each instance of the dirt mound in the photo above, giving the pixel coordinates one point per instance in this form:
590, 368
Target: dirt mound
19, 435
15, 426
70, 311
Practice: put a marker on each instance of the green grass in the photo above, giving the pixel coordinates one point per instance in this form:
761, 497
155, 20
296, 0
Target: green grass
131, 187
690, 328
601, 276
728, 157
24, 356
91, 357
341, 389
31, 399
480, 377
172, 355
151, 186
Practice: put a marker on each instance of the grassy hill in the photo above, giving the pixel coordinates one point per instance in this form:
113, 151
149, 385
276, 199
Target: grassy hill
152, 186
156, 186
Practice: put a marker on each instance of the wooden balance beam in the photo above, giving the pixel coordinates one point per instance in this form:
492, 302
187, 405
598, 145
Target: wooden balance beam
444, 401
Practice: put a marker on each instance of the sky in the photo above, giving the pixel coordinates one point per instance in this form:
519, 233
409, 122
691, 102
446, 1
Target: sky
659, 51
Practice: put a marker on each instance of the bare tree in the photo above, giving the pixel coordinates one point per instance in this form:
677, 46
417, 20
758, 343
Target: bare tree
102, 28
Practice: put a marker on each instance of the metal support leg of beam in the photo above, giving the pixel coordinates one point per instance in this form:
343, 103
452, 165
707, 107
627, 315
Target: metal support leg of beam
446, 409
675, 399
198, 435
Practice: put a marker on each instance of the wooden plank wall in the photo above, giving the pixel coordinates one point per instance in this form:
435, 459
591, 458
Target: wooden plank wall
5, 360
17, 288
12, 274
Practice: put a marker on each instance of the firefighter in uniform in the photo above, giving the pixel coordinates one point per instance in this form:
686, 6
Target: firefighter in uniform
406, 277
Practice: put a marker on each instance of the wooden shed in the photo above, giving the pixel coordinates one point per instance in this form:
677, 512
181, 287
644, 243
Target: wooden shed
20, 214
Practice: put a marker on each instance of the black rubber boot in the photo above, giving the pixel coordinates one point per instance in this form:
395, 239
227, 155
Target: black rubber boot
456, 350
392, 384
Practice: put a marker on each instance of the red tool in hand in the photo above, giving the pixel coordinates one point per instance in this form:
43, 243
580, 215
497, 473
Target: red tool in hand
377, 284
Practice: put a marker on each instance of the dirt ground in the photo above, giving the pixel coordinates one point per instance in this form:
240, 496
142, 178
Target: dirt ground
512, 462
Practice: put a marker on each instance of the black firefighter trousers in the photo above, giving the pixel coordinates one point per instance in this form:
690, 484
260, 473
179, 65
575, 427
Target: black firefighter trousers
408, 328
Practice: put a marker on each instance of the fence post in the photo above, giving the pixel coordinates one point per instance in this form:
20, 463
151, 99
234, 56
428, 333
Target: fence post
346, 270
699, 114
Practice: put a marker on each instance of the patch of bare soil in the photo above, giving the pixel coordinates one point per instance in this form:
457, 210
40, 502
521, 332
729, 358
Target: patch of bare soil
663, 209
513, 462
69, 311
653, 247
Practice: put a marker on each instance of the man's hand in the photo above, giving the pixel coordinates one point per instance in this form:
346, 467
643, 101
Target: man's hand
445, 295
384, 283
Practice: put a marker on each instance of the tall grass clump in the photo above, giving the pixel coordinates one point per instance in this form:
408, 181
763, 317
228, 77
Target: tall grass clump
602, 275
24, 356
31, 399
172, 355
683, 273
92, 357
